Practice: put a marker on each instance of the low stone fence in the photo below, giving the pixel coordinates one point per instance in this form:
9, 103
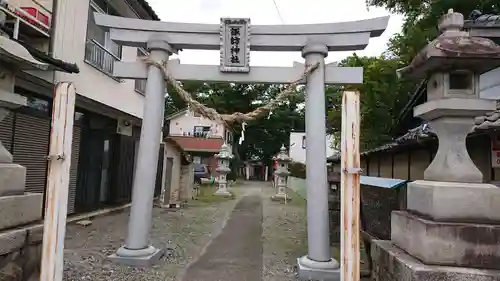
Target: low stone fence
377, 205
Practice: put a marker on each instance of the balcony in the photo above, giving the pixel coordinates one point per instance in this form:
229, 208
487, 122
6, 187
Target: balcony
26, 21
99, 57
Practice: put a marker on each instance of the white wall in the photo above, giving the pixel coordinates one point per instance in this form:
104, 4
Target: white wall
298, 153
186, 123
489, 84
70, 35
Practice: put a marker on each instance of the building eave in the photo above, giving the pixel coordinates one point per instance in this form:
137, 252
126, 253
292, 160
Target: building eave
145, 5
57, 64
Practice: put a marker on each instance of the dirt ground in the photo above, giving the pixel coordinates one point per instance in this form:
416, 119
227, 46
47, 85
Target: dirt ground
193, 244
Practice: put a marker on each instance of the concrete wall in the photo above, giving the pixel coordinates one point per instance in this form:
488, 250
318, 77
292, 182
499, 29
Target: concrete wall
489, 84
298, 153
70, 44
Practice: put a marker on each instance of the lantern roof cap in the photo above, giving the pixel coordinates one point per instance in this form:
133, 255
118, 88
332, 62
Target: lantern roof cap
454, 49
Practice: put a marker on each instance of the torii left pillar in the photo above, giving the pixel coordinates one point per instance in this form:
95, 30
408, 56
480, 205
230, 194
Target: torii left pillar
137, 251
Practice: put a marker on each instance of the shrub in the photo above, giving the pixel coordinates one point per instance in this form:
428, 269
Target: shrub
298, 170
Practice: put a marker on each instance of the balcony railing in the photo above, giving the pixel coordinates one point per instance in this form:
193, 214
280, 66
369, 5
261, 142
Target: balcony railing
26, 22
97, 56
140, 86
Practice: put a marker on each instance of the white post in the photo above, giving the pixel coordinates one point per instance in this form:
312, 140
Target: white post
350, 188
318, 264
56, 204
137, 251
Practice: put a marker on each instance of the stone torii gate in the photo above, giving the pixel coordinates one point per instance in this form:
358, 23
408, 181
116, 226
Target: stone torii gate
235, 38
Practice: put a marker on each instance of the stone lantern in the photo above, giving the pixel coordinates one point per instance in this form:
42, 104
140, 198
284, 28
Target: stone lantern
452, 218
282, 174
17, 206
13, 58
223, 160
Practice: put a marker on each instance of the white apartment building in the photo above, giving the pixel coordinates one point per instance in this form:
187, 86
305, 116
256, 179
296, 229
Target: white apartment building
298, 144
108, 110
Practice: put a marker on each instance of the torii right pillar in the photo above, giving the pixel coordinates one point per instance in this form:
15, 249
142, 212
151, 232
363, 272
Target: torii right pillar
451, 228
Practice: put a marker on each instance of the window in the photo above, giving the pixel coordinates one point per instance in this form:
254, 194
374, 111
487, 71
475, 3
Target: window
100, 50
197, 159
201, 131
38, 104
140, 85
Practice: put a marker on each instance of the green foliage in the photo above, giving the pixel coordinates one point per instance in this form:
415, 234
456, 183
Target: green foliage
264, 136
382, 98
298, 170
383, 95
421, 20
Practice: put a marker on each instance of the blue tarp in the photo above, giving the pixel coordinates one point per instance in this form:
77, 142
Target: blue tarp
382, 182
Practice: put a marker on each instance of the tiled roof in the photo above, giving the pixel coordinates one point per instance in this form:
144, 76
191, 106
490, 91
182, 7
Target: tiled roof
477, 18
419, 133
489, 121
61, 65
186, 158
193, 144
148, 9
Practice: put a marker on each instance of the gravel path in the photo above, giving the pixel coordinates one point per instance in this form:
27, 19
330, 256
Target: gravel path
187, 233
236, 254
284, 236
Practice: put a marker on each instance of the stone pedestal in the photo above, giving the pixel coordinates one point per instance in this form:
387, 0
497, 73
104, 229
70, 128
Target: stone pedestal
391, 263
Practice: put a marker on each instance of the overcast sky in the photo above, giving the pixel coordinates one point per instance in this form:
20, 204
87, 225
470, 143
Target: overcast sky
265, 12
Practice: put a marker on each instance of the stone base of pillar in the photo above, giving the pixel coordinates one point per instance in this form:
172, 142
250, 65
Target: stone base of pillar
137, 258
478, 202
281, 197
393, 264
469, 245
314, 270
20, 209
223, 192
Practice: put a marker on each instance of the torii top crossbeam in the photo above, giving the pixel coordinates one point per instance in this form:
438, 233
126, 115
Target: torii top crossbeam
339, 36
235, 38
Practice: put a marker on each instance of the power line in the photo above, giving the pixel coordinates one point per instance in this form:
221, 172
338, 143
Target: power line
278, 11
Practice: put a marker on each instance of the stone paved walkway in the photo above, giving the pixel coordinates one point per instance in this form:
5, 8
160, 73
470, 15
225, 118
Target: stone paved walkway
236, 254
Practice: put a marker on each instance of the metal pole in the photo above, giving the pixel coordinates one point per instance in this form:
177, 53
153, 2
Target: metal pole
61, 137
317, 190
137, 251
350, 187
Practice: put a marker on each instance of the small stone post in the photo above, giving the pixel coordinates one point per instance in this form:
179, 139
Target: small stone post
223, 160
450, 230
282, 174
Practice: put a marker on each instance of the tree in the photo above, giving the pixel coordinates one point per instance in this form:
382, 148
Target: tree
264, 136
421, 18
382, 98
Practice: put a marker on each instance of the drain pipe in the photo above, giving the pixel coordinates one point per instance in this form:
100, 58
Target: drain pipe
53, 24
